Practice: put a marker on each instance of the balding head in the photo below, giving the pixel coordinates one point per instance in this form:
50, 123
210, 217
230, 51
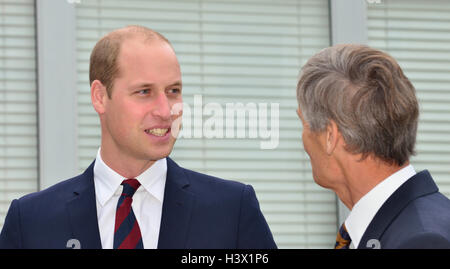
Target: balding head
103, 62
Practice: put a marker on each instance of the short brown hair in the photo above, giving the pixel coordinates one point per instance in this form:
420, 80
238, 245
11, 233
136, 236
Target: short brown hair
366, 93
103, 62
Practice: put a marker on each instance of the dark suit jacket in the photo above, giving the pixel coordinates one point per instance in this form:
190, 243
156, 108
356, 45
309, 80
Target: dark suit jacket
199, 211
416, 215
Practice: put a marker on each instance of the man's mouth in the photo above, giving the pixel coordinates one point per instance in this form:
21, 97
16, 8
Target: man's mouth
157, 131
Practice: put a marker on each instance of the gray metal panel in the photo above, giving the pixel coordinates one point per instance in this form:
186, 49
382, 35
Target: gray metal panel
56, 90
348, 21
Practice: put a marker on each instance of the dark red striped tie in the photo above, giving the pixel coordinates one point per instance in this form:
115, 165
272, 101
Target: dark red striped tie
127, 234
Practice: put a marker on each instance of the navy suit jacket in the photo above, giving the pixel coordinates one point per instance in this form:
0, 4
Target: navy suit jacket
416, 215
199, 211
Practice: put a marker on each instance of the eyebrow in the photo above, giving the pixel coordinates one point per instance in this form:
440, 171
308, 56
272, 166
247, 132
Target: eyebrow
176, 83
149, 85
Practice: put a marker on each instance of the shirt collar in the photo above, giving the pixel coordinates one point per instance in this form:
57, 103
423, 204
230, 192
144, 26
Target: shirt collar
365, 209
107, 181
154, 178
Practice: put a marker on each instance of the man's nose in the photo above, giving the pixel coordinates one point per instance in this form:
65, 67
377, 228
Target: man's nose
161, 106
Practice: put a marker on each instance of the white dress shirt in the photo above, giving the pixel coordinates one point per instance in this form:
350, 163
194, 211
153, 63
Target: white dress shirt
147, 201
365, 209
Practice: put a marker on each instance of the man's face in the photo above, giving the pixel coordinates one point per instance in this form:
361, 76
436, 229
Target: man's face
137, 118
313, 143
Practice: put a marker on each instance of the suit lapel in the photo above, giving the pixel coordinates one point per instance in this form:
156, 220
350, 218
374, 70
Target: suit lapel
419, 185
82, 211
177, 208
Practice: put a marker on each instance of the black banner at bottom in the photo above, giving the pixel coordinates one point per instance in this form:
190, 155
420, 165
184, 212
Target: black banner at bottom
298, 258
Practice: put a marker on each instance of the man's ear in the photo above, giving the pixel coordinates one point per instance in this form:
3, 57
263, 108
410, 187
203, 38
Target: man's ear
332, 137
98, 96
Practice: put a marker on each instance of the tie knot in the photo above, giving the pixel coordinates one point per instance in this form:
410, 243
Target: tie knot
130, 186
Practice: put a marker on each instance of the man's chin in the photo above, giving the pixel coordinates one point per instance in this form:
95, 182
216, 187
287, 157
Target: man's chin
154, 156
321, 182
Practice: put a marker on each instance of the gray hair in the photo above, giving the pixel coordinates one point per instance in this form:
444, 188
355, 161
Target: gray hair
365, 92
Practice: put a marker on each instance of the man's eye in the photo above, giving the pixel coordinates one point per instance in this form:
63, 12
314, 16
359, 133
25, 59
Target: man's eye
145, 91
174, 91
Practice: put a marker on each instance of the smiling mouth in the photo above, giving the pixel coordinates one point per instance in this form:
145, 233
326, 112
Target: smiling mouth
157, 131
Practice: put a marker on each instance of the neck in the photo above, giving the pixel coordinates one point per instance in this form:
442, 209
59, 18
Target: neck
124, 165
360, 177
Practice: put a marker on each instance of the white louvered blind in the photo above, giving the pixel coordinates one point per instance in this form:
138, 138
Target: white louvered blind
417, 34
18, 128
244, 51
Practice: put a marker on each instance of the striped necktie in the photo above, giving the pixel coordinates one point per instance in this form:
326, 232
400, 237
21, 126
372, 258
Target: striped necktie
343, 239
127, 234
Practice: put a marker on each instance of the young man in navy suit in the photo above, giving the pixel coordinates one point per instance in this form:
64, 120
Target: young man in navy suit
133, 195
359, 114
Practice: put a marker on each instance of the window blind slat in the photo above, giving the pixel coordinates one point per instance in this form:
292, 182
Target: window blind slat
18, 129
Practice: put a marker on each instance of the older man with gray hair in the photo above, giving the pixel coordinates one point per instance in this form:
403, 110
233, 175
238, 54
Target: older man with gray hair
360, 114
